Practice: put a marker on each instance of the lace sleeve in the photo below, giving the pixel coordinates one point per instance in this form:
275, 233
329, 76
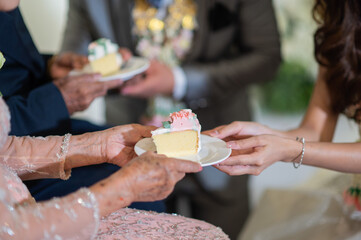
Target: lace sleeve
35, 157
73, 217
4, 122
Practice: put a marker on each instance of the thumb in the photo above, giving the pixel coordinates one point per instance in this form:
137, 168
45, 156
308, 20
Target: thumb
225, 131
187, 166
146, 130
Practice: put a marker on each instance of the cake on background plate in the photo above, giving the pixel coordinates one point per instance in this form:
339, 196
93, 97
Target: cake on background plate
180, 136
104, 57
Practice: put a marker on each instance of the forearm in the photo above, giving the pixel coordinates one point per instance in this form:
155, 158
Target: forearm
308, 133
343, 157
34, 158
84, 150
110, 201
51, 157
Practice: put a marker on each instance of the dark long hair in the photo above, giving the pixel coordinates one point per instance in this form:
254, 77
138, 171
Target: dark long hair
338, 48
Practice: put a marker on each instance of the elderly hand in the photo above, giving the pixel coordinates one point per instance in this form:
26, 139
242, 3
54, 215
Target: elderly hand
114, 145
118, 142
254, 154
61, 65
149, 177
158, 79
152, 177
80, 91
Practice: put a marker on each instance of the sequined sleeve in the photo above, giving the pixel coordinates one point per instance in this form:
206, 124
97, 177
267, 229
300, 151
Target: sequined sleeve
75, 216
129, 223
35, 157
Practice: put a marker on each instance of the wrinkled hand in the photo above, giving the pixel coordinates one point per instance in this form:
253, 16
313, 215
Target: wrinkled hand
114, 145
61, 65
80, 91
118, 142
149, 177
153, 177
158, 79
254, 154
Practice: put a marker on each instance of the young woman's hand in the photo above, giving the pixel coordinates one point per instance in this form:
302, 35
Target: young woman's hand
237, 130
254, 154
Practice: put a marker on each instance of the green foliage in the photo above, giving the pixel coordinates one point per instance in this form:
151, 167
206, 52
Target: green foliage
290, 91
2, 60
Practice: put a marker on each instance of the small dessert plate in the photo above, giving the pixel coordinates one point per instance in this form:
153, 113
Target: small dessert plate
213, 150
132, 67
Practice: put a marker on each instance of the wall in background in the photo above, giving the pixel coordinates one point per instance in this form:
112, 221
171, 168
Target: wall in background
45, 20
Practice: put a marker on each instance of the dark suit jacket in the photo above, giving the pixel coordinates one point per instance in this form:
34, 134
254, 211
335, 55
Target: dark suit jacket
35, 104
236, 45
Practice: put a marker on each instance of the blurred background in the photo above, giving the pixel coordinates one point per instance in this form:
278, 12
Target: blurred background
279, 104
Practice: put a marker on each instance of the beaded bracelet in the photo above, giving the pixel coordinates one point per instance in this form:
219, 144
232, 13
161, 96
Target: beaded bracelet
64, 147
298, 164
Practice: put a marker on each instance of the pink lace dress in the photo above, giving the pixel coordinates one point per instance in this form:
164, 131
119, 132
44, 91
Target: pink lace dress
75, 216
72, 217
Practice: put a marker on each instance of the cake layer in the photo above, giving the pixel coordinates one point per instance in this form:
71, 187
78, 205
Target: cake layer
106, 65
177, 144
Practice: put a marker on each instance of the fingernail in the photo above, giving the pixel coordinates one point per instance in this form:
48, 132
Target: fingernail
200, 168
230, 144
214, 133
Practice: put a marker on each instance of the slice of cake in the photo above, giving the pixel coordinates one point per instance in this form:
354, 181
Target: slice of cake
104, 57
180, 136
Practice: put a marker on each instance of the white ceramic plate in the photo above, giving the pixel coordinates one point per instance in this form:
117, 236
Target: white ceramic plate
213, 150
132, 67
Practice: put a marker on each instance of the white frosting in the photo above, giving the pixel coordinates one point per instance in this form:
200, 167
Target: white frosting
161, 130
101, 48
182, 121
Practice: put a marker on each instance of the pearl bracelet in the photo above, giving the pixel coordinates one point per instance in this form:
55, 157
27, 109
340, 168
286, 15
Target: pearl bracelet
302, 154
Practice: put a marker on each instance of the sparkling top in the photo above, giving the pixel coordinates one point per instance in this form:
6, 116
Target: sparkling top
72, 217
135, 224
